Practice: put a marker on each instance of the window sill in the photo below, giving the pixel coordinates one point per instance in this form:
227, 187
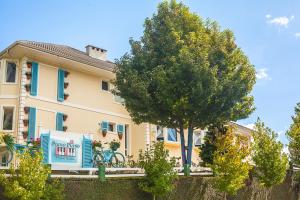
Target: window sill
7, 131
172, 144
6, 83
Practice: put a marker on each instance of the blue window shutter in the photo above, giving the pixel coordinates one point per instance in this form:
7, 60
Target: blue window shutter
34, 78
45, 145
172, 135
31, 123
104, 126
87, 154
120, 128
59, 121
60, 85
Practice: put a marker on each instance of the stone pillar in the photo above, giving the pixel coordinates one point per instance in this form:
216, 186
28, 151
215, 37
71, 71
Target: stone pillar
22, 98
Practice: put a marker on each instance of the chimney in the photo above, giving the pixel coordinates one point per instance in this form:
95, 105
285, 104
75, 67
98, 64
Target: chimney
96, 52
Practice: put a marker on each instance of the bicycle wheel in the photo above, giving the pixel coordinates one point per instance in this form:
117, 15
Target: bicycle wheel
6, 156
97, 159
118, 160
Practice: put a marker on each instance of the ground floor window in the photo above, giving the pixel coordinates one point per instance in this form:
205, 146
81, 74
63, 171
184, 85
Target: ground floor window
159, 133
8, 117
172, 135
197, 138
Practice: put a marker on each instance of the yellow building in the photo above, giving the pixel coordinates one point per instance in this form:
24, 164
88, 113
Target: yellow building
55, 87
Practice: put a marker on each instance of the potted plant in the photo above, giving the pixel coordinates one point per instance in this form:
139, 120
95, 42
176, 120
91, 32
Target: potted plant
29, 64
28, 75
96, 144
66, 96
26, 110
27, 87
25, 135
25, 122
66, 74
114, 145
120, 135
66, 84
104, 132
65, 117
65, 128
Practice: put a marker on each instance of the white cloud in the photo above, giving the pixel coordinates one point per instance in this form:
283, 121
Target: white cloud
262, 74
279, 21
297, 35
268, 16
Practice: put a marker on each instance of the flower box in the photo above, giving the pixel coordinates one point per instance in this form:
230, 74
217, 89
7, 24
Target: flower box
25, 122
29, 64
66, 96
28, 75
66, 84
26, 110
65, 117
27, 87
25, 135
66, 74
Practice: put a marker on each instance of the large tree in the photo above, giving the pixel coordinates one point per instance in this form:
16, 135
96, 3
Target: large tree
293, 135
184, 73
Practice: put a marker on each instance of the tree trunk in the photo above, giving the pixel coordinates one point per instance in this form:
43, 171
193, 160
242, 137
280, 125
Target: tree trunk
190, 145
153, 197
183, 151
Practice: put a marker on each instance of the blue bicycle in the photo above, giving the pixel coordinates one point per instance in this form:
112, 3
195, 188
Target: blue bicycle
109, 157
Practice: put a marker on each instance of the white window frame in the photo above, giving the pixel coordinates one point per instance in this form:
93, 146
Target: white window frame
163, 132
167, 136
2, 117
4, 64
201, 136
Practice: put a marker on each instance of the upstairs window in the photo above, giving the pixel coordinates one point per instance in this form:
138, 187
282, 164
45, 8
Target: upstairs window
8, 117
11, 72
105, 86
172, 135
111, 127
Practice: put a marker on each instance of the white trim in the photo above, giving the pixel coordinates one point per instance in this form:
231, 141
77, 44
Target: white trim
9, 96
4, 62
2, 117
45, 99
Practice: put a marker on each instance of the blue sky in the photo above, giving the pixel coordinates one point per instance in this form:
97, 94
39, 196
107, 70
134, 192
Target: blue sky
268, 31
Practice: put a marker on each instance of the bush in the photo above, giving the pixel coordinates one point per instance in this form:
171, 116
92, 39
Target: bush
159, 172
30, 180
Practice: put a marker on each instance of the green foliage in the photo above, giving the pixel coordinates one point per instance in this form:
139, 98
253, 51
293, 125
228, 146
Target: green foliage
184, 72
159, 172
8, 140
29, 181
114, 145
230, 165
209, 147
293, 135
270, 162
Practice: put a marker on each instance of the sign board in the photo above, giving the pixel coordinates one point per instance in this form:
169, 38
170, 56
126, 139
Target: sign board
65, 150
